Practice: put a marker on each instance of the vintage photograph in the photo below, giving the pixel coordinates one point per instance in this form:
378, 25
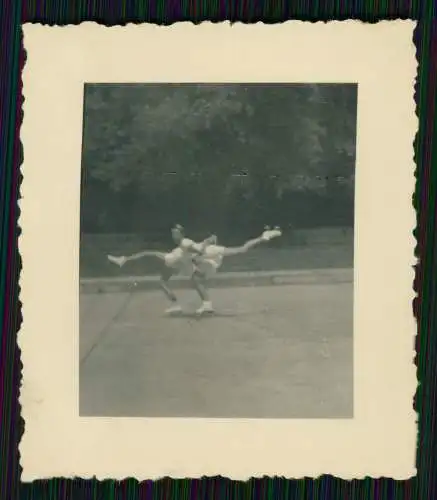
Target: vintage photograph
217, 250
218, 259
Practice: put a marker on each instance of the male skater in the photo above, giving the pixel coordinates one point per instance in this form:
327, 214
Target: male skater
177, 261
200, 261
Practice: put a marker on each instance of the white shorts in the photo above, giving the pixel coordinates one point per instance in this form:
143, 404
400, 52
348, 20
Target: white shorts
207, 267
184, 267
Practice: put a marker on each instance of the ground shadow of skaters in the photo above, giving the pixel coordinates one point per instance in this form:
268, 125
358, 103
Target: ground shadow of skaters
204, 316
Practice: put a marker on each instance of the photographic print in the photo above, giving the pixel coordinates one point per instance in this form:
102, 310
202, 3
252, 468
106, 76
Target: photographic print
218, 251
216, 258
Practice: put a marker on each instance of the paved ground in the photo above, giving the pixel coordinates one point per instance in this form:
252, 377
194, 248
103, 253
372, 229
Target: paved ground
221, 279
272, 351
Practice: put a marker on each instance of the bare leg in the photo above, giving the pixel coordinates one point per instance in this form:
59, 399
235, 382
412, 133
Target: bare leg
243, 248
146, 253
168, 292
121, 261
198, 281
166, 274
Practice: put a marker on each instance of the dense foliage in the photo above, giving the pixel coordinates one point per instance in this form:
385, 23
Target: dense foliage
219, 157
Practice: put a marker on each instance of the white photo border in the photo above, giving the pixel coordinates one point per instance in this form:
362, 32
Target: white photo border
381, 438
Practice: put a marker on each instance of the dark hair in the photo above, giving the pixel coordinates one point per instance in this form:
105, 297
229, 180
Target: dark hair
179, 227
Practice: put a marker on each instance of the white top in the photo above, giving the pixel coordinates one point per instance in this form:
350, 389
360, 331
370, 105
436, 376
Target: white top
180, 257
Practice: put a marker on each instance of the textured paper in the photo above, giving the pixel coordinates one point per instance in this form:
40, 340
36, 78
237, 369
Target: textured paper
381, 438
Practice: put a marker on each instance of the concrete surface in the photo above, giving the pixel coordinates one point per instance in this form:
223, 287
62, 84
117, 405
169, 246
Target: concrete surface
221, 279
270, 352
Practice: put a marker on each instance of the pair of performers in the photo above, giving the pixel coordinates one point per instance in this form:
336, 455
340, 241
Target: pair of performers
199, 261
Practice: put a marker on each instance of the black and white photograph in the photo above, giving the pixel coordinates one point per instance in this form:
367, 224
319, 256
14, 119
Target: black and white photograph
218, 259
217, 250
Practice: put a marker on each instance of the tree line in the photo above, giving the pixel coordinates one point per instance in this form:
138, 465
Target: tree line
219, 157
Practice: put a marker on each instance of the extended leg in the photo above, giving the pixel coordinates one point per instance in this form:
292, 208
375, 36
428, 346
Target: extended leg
229, 251
266, 236
147, 253
120, 261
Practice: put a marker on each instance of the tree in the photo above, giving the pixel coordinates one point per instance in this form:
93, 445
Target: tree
219, 147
